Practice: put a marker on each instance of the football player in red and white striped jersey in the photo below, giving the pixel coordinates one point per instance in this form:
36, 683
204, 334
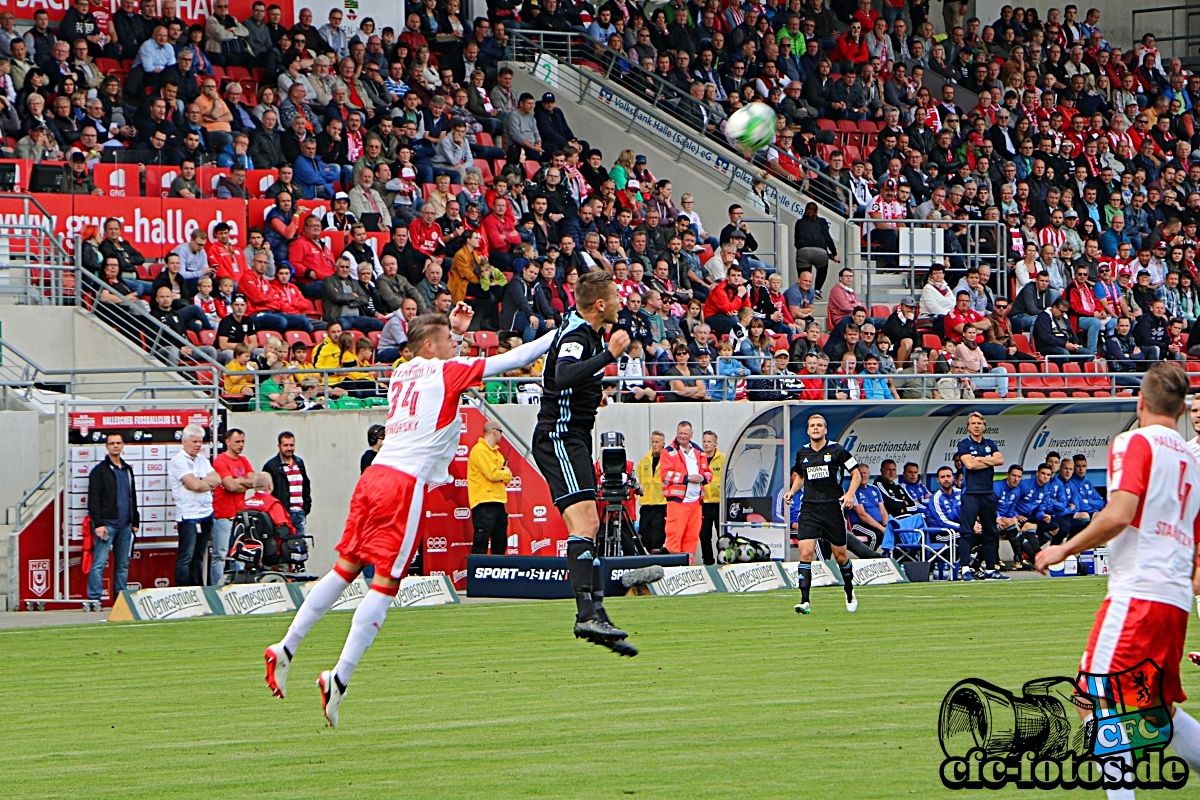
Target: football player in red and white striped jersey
382, 528
1150, 525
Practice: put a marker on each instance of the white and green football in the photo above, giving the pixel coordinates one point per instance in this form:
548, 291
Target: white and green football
752, 127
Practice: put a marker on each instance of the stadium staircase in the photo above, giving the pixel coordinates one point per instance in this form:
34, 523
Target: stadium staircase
612, 117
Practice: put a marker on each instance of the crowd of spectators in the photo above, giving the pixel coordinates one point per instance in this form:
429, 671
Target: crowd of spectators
490, 197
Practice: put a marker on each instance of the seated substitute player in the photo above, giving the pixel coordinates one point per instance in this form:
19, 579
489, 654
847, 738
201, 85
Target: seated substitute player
914, 484
562, 443
1082, 495
943, 508
382, 528
868, 517
818, 469
1006, 517
1021, 513
1150, 525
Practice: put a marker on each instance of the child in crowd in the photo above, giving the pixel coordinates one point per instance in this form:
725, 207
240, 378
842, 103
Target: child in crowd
633, 365
224, 296
730, 367
239, 381
206, 302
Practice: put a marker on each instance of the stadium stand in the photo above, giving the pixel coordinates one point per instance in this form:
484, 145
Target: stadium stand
1025, 151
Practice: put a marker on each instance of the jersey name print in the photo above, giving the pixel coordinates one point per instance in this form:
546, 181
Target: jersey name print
822, 471
816, 473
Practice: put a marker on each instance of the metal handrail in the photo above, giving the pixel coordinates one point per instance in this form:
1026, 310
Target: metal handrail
32, 376
486, 408
854, 240
36, 248
27, 500
1187, 37
667, 97
146, 332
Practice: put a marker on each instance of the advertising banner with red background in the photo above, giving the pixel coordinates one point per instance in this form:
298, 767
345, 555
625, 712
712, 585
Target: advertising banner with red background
154, 226
534, 524
189, 10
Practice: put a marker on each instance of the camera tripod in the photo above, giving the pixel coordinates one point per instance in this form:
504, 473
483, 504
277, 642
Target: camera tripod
617, 536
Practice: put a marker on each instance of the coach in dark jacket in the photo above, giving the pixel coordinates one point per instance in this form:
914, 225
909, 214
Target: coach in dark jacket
112, 507
278, 467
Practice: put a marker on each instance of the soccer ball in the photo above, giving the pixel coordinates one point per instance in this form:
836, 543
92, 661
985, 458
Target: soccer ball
752, 127
745, 553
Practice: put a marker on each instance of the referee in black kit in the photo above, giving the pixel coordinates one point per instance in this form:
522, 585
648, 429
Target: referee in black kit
572, 388
819, 468
980, 457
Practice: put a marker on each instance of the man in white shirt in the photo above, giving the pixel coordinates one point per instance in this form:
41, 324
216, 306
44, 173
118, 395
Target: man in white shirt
192, 480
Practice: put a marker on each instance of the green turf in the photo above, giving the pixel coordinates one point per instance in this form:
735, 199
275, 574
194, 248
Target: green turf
734, 696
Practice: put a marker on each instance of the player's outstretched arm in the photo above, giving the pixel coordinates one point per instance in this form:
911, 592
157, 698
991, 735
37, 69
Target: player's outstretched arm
1105, 526
518, 356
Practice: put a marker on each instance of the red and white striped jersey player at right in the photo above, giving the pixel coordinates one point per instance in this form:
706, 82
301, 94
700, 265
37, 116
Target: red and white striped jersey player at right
382, 527
1150, 524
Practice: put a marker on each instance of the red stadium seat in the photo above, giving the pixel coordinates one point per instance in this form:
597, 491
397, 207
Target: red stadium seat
484, 138
880, 310
931, 341
485, 171
487, 341
263, 336
292, 337
1022, 342
1095, 375
1035, 382
846, 129
208, 337
1054, 382
531, 168
1193, 370
1076, 382
109, 65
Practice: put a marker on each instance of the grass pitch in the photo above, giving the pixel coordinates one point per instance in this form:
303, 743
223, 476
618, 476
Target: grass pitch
733, 696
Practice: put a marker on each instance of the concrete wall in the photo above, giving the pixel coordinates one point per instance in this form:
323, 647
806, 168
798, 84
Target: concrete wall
331, 443
20, 452
67, 338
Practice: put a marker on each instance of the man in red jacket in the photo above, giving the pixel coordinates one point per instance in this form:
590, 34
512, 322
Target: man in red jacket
289, 300
685, 471
724, 300
260, 300
228, 260
310, 258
